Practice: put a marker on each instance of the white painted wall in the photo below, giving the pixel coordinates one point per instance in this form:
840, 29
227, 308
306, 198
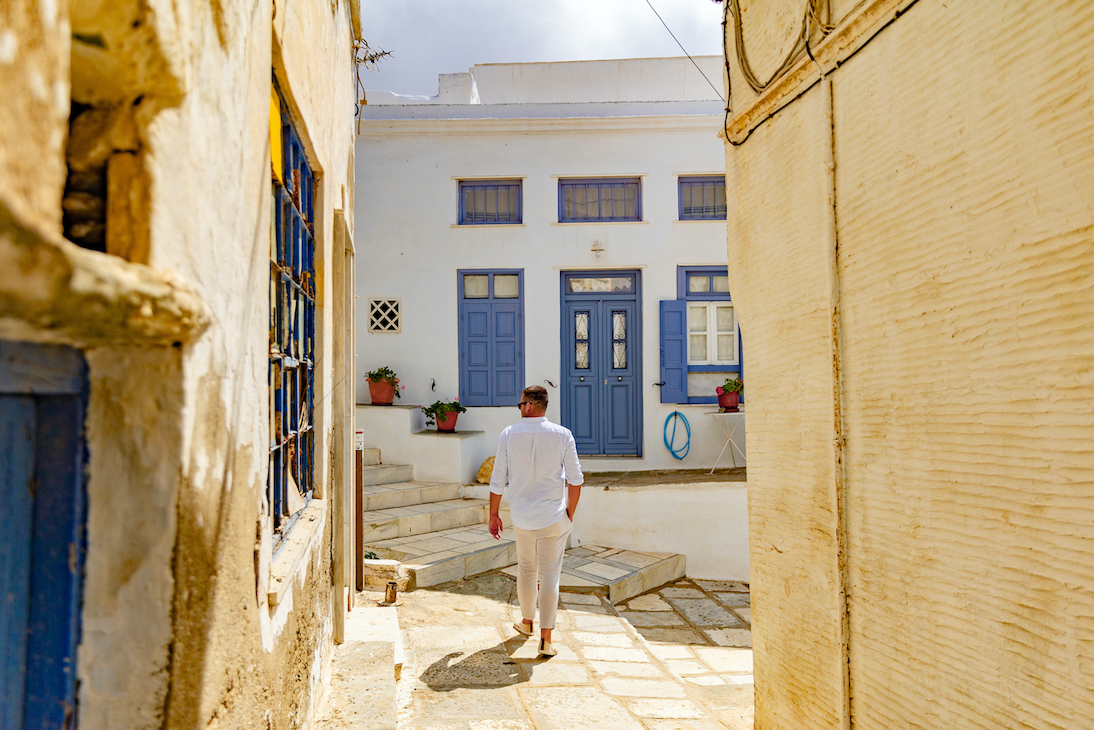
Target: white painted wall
707, 523
410, 247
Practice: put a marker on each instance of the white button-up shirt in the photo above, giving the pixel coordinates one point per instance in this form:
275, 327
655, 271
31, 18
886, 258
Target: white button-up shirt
536, 458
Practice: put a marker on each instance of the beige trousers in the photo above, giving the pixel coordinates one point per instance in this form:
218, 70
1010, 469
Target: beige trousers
539, 555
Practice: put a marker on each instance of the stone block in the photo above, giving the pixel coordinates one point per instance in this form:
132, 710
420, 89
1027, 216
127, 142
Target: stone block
586, 638
576, 708
631, 687
705, 612
729, 637
672, 636
128, 205
648, 603
626, 669
667, 619
485, 471
726, 660
672, 709
614, 654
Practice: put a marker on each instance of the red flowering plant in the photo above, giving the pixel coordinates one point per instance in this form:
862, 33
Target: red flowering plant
732, 385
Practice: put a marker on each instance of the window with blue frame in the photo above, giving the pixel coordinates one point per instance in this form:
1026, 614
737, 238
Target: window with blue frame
700, 336
292, 332
702, 198
491, 336
485, 202
603, 200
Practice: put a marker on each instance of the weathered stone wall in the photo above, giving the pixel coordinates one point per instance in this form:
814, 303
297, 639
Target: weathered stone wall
912, 256
34, 52
178, 630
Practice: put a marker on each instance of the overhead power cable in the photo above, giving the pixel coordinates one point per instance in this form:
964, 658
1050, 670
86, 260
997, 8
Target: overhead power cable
716, 91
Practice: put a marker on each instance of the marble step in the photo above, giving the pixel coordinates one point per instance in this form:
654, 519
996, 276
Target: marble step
416, 519
386, 474
615, 573
370, 456
446, 555
403, 494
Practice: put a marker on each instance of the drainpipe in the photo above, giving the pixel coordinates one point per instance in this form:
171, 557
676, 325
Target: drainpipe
836, 344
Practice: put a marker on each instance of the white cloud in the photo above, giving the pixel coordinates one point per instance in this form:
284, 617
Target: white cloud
444, 36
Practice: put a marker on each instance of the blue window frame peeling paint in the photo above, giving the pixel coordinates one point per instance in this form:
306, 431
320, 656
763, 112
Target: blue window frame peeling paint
292, 335
603, 200
702, 198
486, 202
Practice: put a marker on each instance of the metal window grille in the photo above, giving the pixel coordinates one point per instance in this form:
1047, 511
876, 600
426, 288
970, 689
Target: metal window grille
615, 199
497, 201
292, 335
383, 315
702, 198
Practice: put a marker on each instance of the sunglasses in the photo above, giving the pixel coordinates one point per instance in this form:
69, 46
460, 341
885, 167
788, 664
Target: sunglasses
524, 403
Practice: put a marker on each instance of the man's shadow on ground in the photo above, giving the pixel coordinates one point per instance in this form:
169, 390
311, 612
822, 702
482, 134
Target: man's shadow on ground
485, 669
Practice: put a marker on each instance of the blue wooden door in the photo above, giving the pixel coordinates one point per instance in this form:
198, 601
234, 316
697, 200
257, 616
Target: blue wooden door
42, 395
601, 361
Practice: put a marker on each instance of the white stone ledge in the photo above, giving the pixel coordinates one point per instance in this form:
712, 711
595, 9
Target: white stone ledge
290, 562
51, 290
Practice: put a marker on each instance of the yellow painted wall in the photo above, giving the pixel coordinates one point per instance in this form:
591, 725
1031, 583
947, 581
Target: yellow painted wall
962, 137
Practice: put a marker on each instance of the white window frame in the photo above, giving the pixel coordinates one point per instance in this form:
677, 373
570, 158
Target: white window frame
712, 332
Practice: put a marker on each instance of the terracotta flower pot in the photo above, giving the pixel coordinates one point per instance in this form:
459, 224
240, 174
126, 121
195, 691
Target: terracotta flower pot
729, 401
382, 393
447, 421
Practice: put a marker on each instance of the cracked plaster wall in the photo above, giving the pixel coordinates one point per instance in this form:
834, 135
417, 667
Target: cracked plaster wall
177, 630
920, 398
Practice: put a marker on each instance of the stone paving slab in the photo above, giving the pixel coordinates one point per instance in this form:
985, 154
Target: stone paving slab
466, 668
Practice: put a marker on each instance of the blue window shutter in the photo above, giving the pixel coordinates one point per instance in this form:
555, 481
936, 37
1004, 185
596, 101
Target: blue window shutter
674, 351
475, 356
508, 360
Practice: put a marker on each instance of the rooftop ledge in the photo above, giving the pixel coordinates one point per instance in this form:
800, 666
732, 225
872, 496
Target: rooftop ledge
54, 291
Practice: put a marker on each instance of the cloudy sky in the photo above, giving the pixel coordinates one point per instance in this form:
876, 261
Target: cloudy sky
429, 37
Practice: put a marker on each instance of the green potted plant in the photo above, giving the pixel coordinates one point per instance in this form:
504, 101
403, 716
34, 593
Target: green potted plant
444, 413
383, 386
729, 394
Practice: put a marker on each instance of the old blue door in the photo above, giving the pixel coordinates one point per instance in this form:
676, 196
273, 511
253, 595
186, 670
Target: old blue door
601, 361
42, 396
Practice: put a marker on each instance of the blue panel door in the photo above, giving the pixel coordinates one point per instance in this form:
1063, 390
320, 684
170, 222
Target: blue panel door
601, 362
42, 394
17, 433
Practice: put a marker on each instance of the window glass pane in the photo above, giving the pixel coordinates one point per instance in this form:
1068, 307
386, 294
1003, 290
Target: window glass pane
503, 204
619, 355
632, 201
698, 350
581, 322
468, 205
619, 325
725, 319
725, 348
480, 205
614, 283
581, 360
569, 209
721, 284
618, 192
592, 194
699, 283
506, 286
708, 200
685, 200
491, 198
720, 200
514, 210
476, 286
697, 319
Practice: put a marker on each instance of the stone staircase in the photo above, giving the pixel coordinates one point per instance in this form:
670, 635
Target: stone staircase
432, 532
436, 535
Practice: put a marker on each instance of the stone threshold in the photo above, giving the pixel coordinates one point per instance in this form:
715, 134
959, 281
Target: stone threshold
615, 573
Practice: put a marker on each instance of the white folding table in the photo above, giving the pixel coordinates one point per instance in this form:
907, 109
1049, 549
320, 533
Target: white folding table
723, 419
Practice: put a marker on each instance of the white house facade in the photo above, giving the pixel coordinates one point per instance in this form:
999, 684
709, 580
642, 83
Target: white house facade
556, 224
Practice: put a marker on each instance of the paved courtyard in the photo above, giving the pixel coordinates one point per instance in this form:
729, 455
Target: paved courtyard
677, 660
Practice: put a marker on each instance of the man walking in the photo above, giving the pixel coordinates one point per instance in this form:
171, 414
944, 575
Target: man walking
537, 459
